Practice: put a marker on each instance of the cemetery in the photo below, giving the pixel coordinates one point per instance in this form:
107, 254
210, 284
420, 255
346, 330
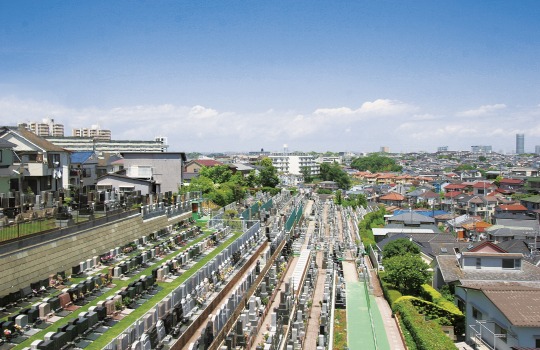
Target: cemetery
158, 288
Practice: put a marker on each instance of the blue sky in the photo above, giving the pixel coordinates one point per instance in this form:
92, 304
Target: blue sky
245, 75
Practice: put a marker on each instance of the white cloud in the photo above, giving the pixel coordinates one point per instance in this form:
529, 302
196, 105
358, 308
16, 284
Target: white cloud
482, 110
403, 126
200, 112
379, 107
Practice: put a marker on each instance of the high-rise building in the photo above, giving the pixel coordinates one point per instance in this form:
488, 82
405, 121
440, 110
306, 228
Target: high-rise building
520, 143
385, 149
95, 132
442, 149
47, 127
537, 150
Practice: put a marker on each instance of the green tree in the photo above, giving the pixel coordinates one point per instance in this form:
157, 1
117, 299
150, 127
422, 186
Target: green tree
218, 174
400, 246
482, 158
201, 183
333, 172
338, 198
406, 272
306, 173
268, 176
375, 163
252, 179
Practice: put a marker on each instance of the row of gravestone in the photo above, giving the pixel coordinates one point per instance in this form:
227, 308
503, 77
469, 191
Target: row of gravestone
247, 324
186, 296
75, 294
87, 322
218, 319
35, 289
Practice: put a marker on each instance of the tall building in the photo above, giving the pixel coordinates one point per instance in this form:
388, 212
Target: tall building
79, 144
481, 149
520, 143
47, 127
94, 132
442, 149
292, 163
537, 150
385, 149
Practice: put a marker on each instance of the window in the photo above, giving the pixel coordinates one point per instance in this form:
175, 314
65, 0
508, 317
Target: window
476, 314
53, 160
501, 331
508, 264
478, 263
537, 343
0, 156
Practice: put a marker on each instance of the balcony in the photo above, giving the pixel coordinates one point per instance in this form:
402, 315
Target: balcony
38, 169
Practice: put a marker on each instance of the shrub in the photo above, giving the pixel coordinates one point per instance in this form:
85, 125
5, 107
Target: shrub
390, 293
431, 294
427, 335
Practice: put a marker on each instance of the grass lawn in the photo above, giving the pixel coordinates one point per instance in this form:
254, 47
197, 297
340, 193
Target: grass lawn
118, 328
340, 329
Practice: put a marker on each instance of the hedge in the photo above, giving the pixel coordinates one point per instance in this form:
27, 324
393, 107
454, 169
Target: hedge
366, 234
436, 313
390, 294
431, 294
428, 335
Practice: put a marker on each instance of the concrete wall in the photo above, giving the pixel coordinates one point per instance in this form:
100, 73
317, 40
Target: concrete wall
35, 263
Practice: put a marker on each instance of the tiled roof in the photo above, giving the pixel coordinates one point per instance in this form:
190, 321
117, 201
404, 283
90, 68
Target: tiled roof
208, 162
392, 196
452, 272
512, 207
454, 187
517, 302
511, 181
37, 140
482, 184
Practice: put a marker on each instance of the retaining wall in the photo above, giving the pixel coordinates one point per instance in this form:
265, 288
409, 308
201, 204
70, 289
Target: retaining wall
24, 266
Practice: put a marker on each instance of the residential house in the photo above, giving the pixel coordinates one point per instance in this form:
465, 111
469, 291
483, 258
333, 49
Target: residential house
482, 188
408, 222
532, 203
8, 172
486, 262
123, 183
164, 169
501, 315
513, 229
532, 185
511, 185
328, 185
393, 199
194, 166
83, 170
523, 172
46, 164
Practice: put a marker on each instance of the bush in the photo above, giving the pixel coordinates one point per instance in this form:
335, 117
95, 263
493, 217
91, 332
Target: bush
436, 313
431, 294
427, 335
390, 293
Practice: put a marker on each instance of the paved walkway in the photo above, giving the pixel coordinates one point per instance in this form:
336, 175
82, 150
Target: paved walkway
386, 331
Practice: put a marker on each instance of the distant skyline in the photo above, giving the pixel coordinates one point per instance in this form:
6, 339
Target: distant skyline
316, 75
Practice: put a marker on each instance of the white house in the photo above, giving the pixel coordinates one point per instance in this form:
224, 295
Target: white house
501, 315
